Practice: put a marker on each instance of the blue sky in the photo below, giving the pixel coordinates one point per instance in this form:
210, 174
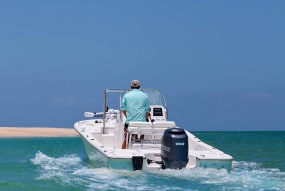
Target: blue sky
220, 64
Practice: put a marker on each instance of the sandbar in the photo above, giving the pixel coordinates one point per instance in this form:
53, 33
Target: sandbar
36, 132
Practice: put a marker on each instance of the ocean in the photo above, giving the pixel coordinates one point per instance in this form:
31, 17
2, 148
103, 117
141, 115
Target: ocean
60, 163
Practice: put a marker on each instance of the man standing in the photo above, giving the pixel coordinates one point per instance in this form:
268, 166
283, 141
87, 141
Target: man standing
135, 107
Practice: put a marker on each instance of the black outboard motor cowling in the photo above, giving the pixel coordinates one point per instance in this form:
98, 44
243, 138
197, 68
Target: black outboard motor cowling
174, 148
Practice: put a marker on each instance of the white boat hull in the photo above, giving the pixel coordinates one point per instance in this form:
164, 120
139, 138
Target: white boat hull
98, 156
103, 140
98, 159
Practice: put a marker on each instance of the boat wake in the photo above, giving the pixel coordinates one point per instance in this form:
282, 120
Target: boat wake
72, 171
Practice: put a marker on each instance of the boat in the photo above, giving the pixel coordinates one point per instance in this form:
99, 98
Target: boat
154, 145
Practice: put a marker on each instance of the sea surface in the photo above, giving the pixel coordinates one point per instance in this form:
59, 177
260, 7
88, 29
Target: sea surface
61, 164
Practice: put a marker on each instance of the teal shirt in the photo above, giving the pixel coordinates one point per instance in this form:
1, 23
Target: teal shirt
136, 104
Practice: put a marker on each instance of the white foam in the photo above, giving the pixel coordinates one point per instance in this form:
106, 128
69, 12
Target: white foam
247, 175
71, 170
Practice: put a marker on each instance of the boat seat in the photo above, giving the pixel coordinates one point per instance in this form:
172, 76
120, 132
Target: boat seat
140, 127
139, 124
164, 124
160, 126
154, 129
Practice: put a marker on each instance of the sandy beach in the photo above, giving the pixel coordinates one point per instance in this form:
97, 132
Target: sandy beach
36, 132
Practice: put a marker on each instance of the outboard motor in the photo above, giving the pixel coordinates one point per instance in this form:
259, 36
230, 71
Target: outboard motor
174, 148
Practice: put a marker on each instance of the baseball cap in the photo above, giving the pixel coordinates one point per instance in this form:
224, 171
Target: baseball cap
135, 83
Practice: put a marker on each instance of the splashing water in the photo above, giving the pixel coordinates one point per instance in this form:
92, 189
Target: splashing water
72, 171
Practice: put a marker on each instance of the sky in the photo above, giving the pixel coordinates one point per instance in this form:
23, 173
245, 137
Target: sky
220, 64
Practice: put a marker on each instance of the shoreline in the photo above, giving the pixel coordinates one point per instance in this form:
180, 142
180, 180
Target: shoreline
37, 132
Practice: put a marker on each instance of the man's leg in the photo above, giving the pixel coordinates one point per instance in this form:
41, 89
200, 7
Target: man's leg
125, 136
141, 138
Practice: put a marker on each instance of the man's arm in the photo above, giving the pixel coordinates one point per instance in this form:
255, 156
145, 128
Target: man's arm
125, 113
146, 116
123, 106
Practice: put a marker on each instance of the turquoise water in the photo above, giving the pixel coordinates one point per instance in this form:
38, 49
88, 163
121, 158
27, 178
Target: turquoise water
61, 164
